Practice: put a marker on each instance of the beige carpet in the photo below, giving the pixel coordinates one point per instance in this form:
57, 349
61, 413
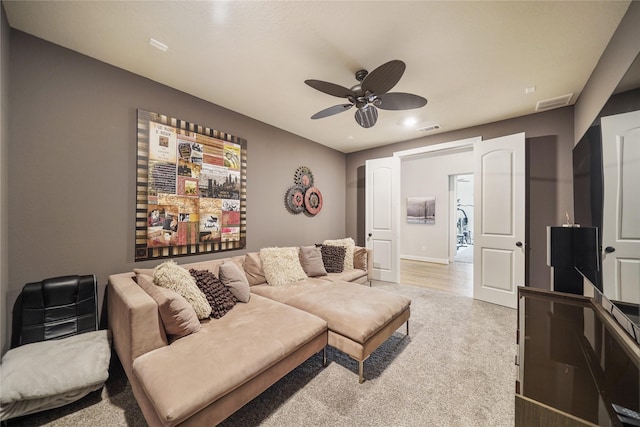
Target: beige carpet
455, 369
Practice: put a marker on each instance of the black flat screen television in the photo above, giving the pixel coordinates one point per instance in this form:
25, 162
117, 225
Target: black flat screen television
588, 197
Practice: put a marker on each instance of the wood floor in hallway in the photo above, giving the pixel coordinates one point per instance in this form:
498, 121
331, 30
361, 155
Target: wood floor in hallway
455, 277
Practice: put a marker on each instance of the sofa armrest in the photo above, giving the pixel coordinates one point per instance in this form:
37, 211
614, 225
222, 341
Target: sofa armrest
134, 320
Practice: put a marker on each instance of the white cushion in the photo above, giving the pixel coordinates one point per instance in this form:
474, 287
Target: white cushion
49, 374
178, 279
281, 265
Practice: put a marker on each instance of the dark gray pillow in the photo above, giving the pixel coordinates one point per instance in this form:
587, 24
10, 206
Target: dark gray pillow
219, 296
311, 261
333, 258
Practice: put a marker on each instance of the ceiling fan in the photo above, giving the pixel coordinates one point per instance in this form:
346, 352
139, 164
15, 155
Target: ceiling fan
371, 92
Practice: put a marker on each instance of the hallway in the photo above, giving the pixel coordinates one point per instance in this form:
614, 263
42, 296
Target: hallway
456, 277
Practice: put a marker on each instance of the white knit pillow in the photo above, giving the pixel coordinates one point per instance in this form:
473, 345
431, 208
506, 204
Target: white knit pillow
349, 245
281, 265
172, 276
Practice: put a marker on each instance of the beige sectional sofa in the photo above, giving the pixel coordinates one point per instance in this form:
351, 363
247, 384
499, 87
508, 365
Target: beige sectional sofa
202, 378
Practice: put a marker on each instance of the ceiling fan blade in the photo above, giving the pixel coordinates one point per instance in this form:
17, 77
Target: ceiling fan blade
367, 117
331, 111
330, 88
384, 78
401, 101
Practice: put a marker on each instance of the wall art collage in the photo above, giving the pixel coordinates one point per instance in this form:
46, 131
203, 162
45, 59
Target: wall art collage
191, 189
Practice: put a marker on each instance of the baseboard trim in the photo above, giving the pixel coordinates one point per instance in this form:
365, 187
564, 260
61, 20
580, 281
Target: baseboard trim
425, 259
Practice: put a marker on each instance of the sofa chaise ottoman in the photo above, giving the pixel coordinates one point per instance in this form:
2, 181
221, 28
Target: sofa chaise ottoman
359, 318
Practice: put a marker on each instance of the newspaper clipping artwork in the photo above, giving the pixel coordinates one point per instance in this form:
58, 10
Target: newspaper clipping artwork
190, 188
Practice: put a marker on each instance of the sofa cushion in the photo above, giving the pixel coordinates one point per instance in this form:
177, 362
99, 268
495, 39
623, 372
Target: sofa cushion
345, 276
147, 271
311, 261
349, 246
253, 269
172, 276
213, 265
281, 265
219, 296
354, 311
360, 258
81, 364
178, 316
233, 277
223, 355
333, 258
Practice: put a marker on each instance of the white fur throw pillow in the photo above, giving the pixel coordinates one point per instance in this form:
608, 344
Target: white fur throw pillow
281, 265
172, 276
349, 245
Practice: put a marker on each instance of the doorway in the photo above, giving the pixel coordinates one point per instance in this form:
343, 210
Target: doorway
499, 249
462, 223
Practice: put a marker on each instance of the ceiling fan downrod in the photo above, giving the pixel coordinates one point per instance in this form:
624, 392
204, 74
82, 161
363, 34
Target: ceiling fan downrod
361, 74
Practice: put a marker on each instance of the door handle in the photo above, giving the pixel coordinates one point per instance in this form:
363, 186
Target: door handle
519, 244
370, 234
609, 249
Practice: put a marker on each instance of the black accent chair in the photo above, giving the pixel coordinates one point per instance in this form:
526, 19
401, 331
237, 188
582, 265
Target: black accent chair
55, 308
56, 347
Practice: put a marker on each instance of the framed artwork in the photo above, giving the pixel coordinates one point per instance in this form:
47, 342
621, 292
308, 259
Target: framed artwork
421, 210
190, 189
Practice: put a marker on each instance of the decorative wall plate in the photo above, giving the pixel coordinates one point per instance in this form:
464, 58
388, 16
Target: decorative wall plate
294, 199
303, 177
303, 196
313, 200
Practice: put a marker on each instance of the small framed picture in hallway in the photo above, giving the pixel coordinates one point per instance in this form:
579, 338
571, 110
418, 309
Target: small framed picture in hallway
421, 210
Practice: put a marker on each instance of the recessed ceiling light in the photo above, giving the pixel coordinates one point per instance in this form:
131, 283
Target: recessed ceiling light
410, 121
158, 45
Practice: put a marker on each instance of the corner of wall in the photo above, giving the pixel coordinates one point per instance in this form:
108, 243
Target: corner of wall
4, 177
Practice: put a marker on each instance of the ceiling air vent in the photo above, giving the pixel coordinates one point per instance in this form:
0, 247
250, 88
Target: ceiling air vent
549, 104
429, 128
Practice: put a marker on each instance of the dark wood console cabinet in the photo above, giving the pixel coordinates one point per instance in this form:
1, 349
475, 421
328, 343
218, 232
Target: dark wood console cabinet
574, 361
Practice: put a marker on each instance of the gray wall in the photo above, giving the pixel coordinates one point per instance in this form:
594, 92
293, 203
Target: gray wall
4, 172
72, 169
549, 138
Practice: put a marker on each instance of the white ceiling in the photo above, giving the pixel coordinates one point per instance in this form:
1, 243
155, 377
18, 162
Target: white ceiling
471, 60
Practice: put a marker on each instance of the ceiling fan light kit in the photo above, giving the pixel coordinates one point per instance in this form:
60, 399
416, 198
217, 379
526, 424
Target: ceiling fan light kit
371, 92
367, 116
